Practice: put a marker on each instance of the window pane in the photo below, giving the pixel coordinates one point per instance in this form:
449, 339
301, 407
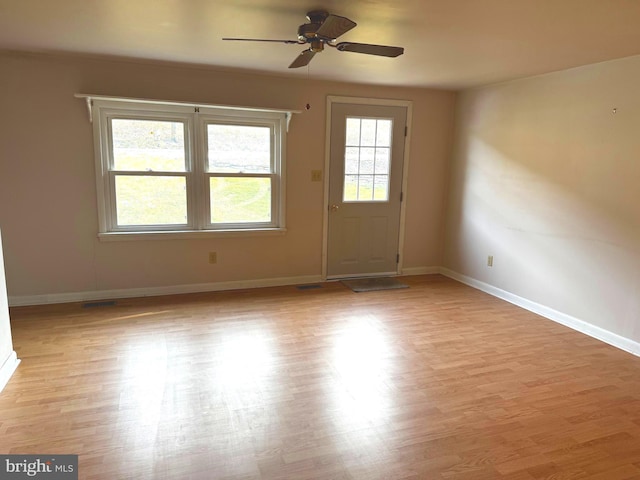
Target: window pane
368, 134
351, 159
381, 188
150, 200
350, 188
239, 149
366, 160
240, 200
382, 161
383, 133
365, 187
148, 145
353, 132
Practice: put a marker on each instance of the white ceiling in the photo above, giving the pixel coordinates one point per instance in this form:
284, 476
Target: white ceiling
448, 43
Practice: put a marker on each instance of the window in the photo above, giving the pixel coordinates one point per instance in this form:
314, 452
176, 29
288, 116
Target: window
367, 159
165, 168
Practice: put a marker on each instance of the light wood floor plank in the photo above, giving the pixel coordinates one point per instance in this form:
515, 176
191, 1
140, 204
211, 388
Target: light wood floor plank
437, 381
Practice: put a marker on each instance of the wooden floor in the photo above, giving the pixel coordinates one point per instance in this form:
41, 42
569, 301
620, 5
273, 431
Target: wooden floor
438, 381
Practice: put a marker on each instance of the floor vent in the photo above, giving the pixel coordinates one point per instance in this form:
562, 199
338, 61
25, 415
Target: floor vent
107, 303
308, 287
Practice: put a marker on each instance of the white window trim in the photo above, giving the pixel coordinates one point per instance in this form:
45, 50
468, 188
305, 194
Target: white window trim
195, 117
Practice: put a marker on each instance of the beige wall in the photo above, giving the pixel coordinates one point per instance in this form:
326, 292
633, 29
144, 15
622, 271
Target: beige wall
47, 182
6, 345
546, 178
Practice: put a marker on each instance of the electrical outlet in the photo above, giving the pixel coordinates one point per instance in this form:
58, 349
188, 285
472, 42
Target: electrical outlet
316, 175
490, 261
213, 257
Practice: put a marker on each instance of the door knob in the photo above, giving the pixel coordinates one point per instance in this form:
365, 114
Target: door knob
334, 208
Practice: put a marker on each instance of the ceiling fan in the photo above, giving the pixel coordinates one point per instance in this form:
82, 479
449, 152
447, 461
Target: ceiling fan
323, 29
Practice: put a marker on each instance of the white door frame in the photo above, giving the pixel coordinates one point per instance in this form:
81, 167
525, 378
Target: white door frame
331, 99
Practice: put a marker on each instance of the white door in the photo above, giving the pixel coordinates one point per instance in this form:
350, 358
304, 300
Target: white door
365, 189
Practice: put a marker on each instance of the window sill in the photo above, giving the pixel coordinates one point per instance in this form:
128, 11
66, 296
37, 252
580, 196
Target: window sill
187, 234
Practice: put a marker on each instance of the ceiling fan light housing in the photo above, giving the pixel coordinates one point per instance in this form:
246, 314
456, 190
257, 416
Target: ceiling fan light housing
317, 46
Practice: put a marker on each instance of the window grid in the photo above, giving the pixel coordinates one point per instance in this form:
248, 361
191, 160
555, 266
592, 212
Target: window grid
154, 173
367, 159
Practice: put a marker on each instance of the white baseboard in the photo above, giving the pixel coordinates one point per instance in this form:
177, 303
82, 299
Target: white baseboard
8, 367
93, 295
17, 301
419, 271
587, 328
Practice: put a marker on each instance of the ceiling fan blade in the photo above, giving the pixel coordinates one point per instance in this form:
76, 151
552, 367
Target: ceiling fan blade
334, 26
369, 49
303, 59
261, 40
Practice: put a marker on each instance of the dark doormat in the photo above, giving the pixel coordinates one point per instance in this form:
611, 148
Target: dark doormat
373, 284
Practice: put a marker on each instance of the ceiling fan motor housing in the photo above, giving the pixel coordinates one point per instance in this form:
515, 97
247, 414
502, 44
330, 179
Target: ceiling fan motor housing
308, 32
317, 16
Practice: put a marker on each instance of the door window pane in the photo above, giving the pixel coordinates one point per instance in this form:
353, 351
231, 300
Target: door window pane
383, 134
148, 145
382, 161
365, 188
381, 188
351, 160
367, 159
350, 188
353, 132
150, 200
240, 200
239, 149
368, 132
367, 156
